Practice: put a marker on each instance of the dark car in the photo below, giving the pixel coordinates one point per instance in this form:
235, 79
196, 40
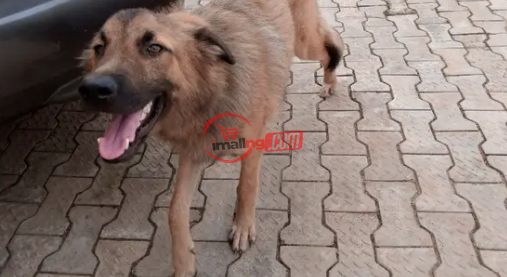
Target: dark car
40, 41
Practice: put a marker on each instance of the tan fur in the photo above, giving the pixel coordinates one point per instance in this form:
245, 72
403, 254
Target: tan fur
263, 36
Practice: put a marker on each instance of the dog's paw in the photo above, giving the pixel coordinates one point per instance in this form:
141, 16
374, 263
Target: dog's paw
242, 235
327, 90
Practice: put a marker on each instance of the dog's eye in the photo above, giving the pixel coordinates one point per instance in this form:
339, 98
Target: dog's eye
154, 48
98, 49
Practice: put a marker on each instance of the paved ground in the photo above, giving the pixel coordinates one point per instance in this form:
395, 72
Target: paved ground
402, 173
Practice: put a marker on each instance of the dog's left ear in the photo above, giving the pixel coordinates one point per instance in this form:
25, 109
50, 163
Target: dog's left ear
215, 45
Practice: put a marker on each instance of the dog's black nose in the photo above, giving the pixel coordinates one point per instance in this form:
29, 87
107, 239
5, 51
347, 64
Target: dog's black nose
98, 87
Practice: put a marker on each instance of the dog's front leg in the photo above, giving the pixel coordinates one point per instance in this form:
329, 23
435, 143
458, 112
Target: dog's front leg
183, 256
243, 228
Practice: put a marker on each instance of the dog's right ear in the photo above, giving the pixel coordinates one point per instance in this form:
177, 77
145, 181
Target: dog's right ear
214, 45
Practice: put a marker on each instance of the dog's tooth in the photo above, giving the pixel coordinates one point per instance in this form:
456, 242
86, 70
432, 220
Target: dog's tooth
98, 140
143, 116
127, 142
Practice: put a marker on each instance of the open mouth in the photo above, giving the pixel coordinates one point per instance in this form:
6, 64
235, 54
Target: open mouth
126, 133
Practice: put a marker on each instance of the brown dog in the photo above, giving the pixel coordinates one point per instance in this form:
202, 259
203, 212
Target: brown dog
169, 72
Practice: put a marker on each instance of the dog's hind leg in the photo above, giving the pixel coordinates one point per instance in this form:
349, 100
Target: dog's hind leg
315, 40
187, 178
243, 228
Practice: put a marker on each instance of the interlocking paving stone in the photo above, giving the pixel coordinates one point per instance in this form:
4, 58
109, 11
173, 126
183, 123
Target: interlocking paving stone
42, 119
440, 37
359, 49
493, 66
154, 163
384, 38
480, 11
164, 199
493, 126
213, 258
260, 260
406, 26
488, 203
405, 94
306, 214
51, 216
342, 136
460, 23
476, 97
449, 6
341, 101
375, 114
497, 40
399, 7
7, 181
220, 205
394, 63
132, 221
270, 196
426, 13
27, 253
399, 224
75, 255
305, 164
82, 161
469, 166
12, 160
437, 191
432, 77
367, 78
456, 64
382, 150
105, 188
491, 27
308, 261
303, 78
62, 138
496, 260
471, 41
352, 20
418, 135
99, 123
116, 257
448, 114
403, 262
357, 257
157, 262
11, 215
497, 5
348, 193
30, 187
304, 113
329, 15
418, 50
452, 235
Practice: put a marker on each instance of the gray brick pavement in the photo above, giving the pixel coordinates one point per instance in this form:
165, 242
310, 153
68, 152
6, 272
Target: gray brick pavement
402, 173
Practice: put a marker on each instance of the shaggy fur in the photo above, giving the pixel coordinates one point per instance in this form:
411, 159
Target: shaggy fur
231, 56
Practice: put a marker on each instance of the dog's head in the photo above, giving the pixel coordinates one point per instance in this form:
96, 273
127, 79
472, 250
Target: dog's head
137, 65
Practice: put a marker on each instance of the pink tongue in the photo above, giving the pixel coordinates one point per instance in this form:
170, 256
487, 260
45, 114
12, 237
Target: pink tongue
121, 129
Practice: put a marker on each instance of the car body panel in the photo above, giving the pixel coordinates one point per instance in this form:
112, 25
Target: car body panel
40, 41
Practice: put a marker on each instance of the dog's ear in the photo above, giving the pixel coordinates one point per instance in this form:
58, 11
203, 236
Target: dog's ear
214, 44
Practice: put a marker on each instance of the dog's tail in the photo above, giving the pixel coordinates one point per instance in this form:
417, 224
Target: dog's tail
333, 51
314, 38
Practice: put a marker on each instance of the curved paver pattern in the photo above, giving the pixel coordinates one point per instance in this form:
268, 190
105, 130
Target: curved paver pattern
402, 171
